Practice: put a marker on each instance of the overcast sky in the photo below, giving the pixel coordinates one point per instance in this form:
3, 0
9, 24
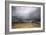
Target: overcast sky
24, 13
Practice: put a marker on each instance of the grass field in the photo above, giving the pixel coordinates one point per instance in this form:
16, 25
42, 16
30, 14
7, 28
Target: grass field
25, 25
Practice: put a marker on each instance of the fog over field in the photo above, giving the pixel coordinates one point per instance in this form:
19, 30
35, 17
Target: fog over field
24, 13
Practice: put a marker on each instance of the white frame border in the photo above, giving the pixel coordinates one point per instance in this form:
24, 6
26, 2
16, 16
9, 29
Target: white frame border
24, 29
